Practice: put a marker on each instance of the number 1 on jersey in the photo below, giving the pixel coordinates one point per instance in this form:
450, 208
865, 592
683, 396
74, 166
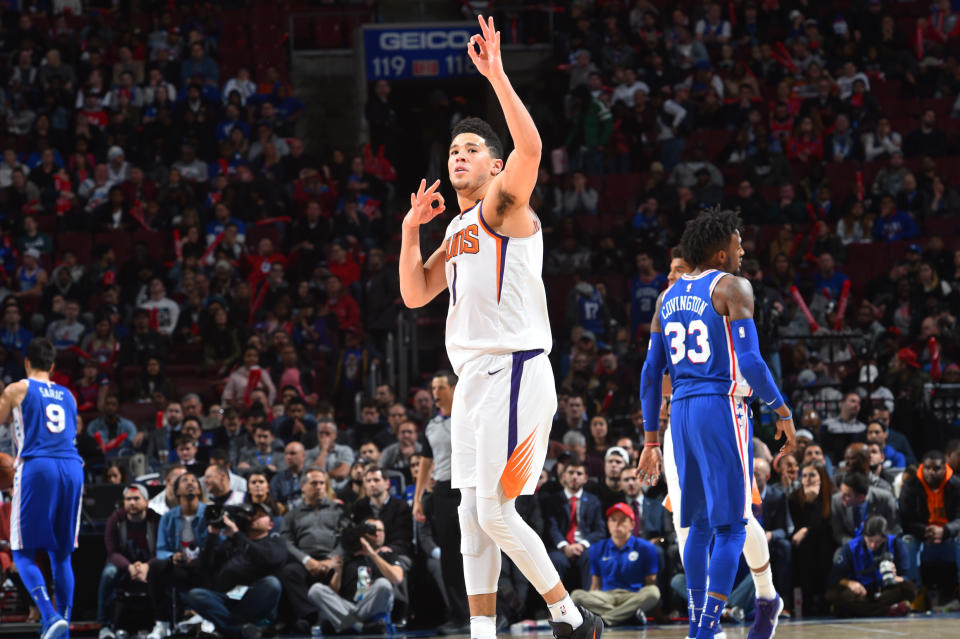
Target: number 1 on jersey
678, 341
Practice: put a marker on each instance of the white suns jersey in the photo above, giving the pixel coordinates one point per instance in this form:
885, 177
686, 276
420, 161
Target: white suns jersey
497, 301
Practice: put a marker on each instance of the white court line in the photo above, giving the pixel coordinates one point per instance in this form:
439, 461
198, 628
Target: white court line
866, 629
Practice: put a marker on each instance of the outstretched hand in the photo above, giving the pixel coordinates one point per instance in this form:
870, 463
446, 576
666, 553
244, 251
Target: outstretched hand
422, 209
488, 61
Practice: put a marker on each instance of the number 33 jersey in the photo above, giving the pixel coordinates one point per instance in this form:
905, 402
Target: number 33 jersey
497, 301
699, 341
45, 422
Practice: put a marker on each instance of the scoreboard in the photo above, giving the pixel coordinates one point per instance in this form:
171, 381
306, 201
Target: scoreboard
409, 51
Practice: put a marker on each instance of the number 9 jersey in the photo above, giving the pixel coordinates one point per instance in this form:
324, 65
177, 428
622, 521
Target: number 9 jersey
45, 422
699, 341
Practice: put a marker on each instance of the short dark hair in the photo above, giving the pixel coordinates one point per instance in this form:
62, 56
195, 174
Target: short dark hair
41, 354
449, 375
875, 525
369, 441
951, 446
707, 234
368, 402
191, 418
484, 130
373, 468
857, 481
934, 455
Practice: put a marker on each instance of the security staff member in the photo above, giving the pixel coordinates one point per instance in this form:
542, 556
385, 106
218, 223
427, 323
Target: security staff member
436, 454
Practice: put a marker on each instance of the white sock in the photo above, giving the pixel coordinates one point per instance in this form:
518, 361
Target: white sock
482, 627
763, 582
566, 611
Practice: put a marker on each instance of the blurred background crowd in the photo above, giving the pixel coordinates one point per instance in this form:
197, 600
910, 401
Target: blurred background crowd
225, 303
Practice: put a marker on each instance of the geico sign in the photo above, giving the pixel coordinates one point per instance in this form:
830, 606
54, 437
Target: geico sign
420, 40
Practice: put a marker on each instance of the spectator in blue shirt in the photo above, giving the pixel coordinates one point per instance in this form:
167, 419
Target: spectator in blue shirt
623, 572
116, 433
645, 287
829, 277
221, 219
893, 225
12, 335
877, 434
199, 64
230, 121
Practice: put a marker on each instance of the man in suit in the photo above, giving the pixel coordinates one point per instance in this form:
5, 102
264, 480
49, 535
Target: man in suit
775, 519
854, 502
574, 521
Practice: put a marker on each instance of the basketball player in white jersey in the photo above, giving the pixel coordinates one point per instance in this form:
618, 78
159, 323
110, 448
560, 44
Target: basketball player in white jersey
755, 549
497, 338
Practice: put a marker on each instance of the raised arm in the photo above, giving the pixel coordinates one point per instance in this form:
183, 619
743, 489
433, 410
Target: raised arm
420, 282
733, 297
511, 188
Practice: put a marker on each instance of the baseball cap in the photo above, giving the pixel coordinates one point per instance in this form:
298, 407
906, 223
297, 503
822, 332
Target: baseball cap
909, 357
621, 508
588, 335
617, 450
140, 488
803, 432
32, 252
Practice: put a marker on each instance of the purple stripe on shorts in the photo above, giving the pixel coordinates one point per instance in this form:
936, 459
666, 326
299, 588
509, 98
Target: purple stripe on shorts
516, 373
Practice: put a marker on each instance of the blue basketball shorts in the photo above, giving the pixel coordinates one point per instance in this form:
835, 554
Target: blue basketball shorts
47, 493
713, 447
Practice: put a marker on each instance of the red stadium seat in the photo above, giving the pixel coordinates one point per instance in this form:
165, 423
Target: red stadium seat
80, 243
159, 243
120, 241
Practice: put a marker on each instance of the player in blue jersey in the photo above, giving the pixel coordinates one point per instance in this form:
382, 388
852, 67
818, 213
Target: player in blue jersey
47, 485
703, 333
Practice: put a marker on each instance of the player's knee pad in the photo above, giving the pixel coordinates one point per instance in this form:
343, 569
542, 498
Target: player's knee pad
471, 535
490, 517
755, 549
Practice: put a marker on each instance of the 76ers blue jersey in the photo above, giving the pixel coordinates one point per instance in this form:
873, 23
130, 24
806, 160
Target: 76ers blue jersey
698, 340
45, 423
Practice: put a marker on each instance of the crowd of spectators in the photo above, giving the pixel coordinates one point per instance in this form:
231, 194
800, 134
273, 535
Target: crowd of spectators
220, 294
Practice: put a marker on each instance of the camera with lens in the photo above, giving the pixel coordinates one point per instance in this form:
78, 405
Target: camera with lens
350, 537
241, 514
887, 570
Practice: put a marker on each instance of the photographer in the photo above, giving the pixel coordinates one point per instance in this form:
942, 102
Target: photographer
245, 593
363, 598
864, 580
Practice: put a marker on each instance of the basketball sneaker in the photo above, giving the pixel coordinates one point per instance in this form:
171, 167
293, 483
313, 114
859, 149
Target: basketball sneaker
54, 628
766, 618
591, 628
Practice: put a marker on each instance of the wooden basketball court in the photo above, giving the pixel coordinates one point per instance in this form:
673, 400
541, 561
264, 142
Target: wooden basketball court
915, 626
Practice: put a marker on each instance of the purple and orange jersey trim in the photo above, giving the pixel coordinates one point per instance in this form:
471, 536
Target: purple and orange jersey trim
501, 241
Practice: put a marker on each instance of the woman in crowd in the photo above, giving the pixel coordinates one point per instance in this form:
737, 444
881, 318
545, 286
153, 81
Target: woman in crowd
258, 492
812, 539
